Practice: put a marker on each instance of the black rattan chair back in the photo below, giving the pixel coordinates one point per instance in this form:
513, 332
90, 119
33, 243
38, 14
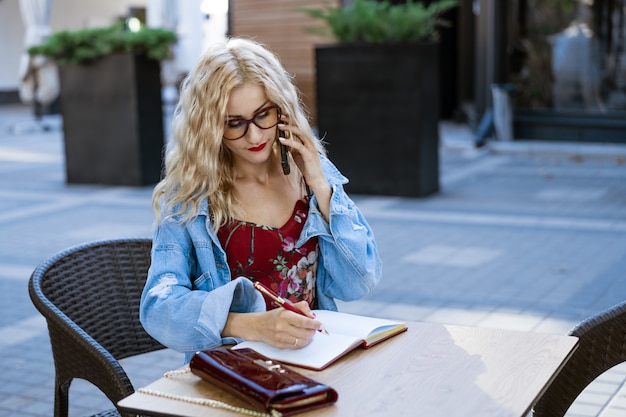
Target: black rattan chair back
602, 345
90, 296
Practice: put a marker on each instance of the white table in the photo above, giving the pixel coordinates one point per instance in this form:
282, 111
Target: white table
431, 370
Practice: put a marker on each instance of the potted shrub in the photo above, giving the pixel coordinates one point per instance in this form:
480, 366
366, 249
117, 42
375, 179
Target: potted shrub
111, 102
377, 93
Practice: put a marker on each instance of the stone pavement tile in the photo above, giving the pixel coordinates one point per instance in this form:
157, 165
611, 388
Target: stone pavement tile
613, 412
14, 299
513, 320
617, 406
50, 224
397, 311
560, 325
27, 377
22, 331
519, 275
461, 316
589, 401
593, 400
581, 409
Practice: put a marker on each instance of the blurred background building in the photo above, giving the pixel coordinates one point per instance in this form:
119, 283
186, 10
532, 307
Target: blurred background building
195, 21
560, 63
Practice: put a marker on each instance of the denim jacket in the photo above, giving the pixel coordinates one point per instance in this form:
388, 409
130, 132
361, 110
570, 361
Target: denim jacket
189, 291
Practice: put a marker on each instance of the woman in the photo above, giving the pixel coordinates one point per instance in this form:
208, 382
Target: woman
227, 214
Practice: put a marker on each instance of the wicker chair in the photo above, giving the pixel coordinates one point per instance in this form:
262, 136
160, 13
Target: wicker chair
602, 345
89, 295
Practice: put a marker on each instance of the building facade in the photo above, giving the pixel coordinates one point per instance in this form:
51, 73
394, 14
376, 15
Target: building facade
563, 62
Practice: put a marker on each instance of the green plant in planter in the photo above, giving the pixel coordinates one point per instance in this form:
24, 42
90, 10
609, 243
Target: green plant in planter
87, 44
369, 21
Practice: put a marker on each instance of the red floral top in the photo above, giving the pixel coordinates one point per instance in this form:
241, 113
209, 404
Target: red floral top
268, 254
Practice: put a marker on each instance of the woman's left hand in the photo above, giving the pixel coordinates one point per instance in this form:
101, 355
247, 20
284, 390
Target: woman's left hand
303, 151
305, 155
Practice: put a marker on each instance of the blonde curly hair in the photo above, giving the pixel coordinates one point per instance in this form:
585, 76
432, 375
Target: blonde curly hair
197, 164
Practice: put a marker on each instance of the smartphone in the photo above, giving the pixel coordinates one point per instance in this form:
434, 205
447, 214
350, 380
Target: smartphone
284, 158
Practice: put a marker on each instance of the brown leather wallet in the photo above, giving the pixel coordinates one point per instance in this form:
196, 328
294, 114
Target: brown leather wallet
261, 381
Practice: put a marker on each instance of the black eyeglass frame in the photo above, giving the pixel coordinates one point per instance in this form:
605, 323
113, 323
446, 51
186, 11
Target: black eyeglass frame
252, 120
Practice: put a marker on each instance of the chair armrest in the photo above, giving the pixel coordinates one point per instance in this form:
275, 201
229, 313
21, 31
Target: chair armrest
602, 345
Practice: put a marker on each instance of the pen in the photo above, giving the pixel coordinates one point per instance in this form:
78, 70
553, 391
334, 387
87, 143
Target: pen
280, 301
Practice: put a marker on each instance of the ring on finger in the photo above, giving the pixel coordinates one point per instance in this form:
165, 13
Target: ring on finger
296, 342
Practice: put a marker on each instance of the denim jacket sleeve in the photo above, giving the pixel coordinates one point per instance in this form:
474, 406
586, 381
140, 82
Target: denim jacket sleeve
189, 292
349, 265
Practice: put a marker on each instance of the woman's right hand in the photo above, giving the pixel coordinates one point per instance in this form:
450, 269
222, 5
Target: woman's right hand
280, 328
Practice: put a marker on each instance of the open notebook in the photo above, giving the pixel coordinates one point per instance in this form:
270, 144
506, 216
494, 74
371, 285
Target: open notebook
347, 332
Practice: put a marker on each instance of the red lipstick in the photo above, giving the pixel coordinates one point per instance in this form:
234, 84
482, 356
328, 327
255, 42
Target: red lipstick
258, 148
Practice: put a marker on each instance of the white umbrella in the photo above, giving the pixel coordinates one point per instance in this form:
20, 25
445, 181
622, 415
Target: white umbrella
164, 14
39, 75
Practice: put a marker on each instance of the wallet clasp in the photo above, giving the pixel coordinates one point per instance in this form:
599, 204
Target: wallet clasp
270, 366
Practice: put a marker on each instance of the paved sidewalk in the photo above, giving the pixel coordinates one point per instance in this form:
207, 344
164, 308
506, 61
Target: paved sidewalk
524, 236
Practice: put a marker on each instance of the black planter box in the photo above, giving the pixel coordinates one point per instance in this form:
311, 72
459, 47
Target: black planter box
378, 111
113, 120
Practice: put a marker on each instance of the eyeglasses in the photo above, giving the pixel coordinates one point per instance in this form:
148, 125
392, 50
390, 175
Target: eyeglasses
263, 119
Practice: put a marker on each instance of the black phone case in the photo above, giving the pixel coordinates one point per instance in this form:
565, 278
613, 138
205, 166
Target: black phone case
284, 157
